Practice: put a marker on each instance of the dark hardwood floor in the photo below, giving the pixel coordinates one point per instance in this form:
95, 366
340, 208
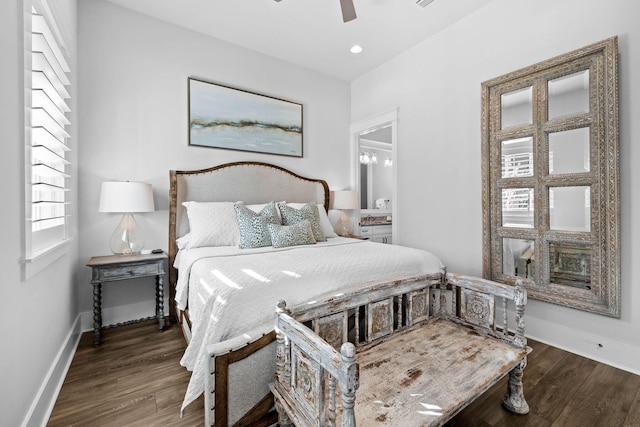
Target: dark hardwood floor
134, 379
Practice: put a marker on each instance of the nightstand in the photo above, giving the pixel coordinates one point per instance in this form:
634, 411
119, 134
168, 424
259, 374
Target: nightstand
112, 268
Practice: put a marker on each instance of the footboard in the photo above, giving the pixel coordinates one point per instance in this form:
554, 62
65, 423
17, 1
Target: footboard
237, 378
417, 351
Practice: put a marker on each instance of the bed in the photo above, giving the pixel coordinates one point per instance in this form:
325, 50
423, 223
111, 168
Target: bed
223, 296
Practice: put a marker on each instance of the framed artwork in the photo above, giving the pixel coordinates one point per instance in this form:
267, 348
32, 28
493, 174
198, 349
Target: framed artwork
234, 119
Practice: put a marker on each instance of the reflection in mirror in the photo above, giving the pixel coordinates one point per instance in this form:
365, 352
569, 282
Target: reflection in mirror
569, 208
569, 95
376, 168
570, 265
517, 207
517, 257
517, 157
364, 186
517, 108
569, 151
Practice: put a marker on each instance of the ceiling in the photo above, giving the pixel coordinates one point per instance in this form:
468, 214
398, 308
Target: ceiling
310, 33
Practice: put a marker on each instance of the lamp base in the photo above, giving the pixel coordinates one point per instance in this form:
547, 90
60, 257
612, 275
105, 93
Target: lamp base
127, 238
344, 227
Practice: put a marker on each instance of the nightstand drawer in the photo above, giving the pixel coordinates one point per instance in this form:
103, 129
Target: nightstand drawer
127, 271
381, 229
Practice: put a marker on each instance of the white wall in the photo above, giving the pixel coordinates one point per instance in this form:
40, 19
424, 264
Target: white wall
436, 86
37, 314
133, 81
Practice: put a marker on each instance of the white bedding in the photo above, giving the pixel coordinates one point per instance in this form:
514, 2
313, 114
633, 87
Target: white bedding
230, 290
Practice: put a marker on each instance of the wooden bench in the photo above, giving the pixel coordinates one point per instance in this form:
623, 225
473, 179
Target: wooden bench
412, 353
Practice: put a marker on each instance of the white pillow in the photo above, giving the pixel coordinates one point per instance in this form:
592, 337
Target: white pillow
325, 224
211, 224
183, 242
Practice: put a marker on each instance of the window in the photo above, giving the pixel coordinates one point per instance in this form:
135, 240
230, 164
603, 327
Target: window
47, 110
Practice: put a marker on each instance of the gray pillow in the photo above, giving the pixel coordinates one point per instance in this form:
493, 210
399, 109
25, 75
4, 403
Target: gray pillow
254, 232
309, 212
299, 233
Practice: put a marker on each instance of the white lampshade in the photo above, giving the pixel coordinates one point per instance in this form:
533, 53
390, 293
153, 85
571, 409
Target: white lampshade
345, 199
126, 197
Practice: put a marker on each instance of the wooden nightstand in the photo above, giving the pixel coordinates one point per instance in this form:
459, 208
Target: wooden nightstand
121, 267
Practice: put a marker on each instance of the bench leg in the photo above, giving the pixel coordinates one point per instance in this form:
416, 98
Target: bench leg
513, 400
283, 417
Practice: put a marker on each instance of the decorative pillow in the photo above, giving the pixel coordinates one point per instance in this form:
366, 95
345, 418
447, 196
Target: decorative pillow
211, 224
253, 226
325, 223
257, 208
299, 233
308, 211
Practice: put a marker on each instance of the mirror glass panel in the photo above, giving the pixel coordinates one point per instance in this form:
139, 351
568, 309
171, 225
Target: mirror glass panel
376, 168
570, 265
570, 208
569, 151
517, 108
569, 95
518, 257
517, 157
517, 207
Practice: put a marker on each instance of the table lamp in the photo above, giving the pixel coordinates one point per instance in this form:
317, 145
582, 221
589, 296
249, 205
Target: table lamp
126, 198
345, 200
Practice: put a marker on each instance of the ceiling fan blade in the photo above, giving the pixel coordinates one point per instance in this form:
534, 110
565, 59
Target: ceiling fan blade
348, 10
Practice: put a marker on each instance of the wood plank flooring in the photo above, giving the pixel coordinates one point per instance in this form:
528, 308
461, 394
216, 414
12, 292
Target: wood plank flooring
134, 379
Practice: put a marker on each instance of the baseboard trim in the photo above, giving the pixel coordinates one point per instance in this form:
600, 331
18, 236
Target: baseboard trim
42, 406
601, 349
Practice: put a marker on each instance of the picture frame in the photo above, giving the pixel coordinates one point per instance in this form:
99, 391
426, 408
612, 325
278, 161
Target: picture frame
234, 119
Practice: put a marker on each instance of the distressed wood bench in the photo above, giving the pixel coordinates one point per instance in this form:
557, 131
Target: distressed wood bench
413, 352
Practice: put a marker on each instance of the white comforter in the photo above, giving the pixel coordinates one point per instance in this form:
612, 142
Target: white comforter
231, 290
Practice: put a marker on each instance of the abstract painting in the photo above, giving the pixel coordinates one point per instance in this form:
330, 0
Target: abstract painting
229, 118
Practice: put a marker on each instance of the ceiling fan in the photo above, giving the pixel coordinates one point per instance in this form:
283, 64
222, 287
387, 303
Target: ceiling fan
348, 10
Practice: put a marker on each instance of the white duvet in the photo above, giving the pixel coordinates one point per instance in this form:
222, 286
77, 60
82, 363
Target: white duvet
230, 291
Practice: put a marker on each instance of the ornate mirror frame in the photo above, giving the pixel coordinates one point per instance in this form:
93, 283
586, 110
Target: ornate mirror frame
549, 134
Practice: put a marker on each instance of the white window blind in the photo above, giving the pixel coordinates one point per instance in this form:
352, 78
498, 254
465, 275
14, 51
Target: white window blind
47, 177
517, 165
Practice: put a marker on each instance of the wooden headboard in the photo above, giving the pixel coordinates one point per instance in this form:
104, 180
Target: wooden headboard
249, 182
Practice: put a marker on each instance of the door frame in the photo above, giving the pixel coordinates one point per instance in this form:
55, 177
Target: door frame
371, 123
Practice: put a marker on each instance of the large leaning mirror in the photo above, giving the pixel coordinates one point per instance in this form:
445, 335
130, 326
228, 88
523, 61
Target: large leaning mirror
550, 179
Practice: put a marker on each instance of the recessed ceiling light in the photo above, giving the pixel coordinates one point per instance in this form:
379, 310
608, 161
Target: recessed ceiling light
356, 48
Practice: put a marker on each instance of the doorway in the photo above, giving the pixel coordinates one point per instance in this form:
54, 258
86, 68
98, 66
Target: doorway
374, 145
